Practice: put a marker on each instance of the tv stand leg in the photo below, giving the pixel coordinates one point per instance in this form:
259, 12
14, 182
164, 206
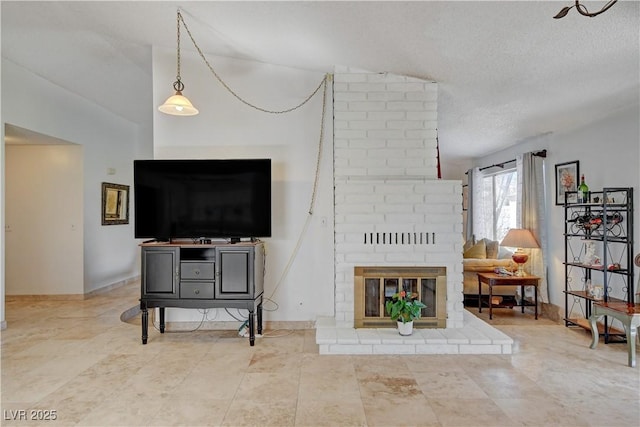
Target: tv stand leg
162, 320
260, 318
252, 334
145, 324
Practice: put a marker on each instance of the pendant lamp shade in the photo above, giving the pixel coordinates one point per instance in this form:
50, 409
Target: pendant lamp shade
178, 105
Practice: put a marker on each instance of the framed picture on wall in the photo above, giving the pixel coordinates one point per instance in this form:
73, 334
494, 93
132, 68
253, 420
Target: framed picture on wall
115, 204
567, 180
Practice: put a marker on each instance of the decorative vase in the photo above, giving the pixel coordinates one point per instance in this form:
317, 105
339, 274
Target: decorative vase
405, 329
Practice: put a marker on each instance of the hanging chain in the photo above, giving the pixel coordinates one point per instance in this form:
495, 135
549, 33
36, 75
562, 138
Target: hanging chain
226, 86
178, 85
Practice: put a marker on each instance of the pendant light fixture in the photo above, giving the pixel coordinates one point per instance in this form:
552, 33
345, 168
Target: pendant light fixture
178, 104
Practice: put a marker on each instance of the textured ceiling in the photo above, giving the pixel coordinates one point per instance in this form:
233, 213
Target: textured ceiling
506, 71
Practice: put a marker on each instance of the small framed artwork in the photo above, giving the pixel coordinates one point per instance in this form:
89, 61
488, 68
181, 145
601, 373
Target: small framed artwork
567, 180
115, 204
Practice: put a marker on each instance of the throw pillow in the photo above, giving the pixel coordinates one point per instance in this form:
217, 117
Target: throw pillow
468, 244
504, 253
492, 248
479, 251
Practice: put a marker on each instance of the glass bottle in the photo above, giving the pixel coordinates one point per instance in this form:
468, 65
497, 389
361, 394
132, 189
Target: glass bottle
583, 191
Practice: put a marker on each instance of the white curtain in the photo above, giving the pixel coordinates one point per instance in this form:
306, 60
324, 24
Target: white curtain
475, 222
468, 236
531, 192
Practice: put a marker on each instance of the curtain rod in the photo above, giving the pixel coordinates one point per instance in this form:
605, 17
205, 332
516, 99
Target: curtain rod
541, 153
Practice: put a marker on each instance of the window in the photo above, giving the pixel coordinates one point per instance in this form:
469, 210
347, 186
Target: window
499, 202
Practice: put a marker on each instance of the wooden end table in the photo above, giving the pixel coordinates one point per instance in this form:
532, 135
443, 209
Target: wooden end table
628, 314
494, 279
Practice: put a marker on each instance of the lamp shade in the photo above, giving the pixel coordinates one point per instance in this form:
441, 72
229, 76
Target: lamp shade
178, 105
519, 238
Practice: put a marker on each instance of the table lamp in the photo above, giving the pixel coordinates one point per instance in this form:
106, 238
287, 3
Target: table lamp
519, 238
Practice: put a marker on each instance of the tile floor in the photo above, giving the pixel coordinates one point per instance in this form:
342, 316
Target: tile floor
79, 360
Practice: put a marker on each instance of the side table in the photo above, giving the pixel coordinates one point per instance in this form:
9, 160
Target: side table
628, 314
494, 279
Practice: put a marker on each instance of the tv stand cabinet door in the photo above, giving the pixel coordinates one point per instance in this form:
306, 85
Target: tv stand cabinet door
160, 272
235, 275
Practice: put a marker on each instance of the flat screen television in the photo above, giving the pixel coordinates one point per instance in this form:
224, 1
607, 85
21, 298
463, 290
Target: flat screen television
202, 199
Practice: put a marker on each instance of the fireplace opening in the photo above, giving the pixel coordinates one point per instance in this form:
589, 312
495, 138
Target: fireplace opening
374, 286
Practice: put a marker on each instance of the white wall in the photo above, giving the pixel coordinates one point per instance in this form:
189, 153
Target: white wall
3, 322
608, 151
226, 128
109, 141
44, 204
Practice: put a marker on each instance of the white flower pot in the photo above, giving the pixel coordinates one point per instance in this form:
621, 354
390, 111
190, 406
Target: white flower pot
405, 329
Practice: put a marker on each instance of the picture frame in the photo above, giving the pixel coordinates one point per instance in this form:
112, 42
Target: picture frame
115, 204
567, 178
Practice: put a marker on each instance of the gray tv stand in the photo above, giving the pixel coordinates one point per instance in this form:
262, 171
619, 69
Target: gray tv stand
202, 276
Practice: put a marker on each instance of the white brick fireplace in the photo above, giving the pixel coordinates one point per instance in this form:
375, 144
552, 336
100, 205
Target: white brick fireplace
391, 210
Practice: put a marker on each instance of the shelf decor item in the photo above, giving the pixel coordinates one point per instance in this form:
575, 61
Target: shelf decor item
583, 191
403, 308
567, 181
520, 238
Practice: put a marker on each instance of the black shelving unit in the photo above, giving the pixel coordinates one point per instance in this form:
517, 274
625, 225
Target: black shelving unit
606, 223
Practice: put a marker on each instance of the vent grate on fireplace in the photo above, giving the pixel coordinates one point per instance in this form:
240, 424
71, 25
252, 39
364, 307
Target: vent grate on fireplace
399, 238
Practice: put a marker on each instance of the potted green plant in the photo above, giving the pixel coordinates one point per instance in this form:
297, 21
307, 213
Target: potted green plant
404, 308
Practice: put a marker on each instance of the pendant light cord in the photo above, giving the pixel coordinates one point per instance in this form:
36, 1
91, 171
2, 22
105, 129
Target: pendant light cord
231, 91
319, 154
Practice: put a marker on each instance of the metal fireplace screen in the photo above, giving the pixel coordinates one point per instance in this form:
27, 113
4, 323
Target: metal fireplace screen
374, 286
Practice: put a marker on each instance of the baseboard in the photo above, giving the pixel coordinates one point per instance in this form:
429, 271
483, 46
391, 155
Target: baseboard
52, 297
552, 312
112, 286
73, 297
211, 325
273, 325
3, 325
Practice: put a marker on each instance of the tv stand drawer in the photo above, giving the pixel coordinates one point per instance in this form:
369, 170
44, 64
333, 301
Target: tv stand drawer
196, 270
196, 290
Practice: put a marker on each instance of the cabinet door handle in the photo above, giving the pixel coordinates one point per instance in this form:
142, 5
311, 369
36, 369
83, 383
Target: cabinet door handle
197, 291
197, 272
